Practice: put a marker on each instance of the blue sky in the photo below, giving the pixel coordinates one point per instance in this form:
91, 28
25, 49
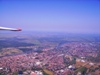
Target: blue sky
76, 16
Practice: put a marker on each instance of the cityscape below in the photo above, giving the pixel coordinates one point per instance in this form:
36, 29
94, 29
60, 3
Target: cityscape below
48, 53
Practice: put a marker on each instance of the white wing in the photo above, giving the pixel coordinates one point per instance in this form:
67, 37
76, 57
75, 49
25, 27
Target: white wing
11, 29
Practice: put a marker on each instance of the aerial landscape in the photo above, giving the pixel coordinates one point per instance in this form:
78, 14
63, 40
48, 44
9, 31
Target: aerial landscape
49, 54
56, 37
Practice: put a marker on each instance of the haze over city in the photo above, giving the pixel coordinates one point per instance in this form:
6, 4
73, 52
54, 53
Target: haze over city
73, 16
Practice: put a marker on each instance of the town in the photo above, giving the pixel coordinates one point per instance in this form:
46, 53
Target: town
49, 55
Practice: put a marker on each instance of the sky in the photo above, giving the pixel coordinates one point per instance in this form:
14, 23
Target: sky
75, 16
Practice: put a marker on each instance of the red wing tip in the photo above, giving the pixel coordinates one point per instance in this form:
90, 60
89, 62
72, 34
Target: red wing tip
19, 29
